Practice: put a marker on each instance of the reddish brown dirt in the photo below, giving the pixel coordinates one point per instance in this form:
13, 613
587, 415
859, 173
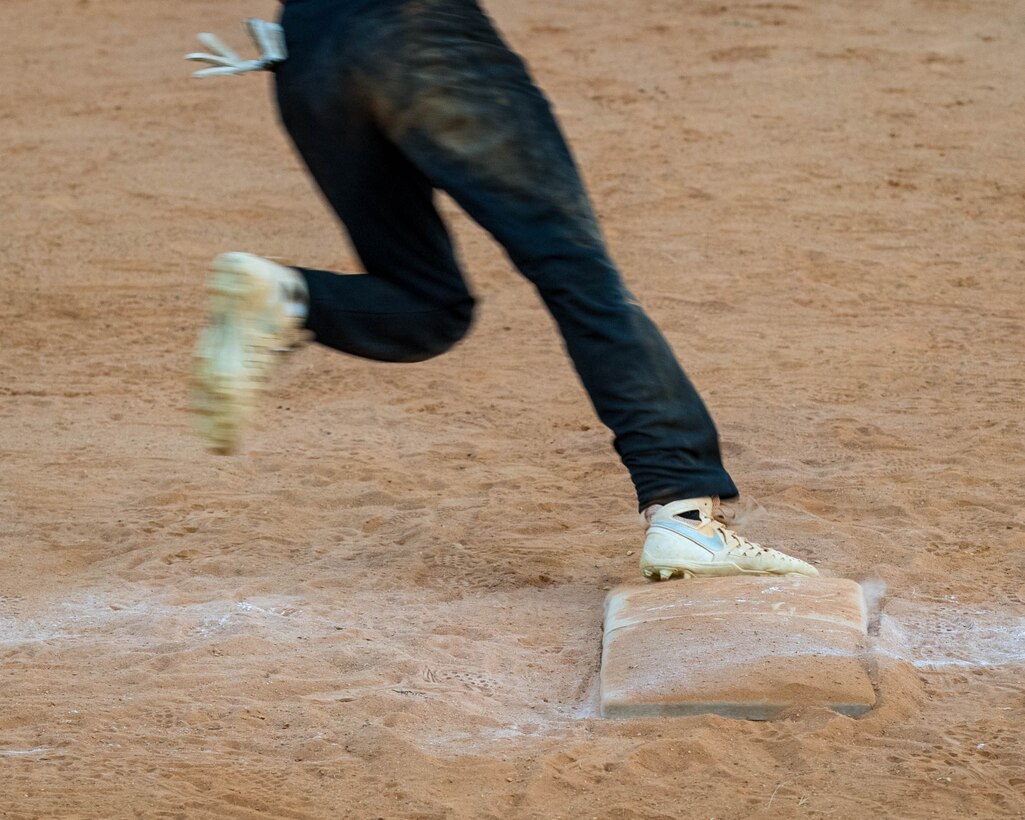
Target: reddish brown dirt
390, 604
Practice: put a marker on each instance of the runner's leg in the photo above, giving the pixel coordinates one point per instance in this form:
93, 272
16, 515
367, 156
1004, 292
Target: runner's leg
412, 303
448, 91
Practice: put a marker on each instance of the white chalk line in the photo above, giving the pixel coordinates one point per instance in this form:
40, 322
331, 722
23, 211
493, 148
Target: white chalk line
931, 634
24, 753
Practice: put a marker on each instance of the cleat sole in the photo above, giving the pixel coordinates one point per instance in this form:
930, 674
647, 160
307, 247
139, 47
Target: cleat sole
236, 353
665, 573
711, 571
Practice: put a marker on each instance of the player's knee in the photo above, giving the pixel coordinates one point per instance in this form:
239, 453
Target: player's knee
440, 331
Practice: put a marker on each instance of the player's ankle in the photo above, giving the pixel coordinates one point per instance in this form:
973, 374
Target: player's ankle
648, 513
295, 295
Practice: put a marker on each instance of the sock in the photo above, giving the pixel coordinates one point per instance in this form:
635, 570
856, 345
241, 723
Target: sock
295, 303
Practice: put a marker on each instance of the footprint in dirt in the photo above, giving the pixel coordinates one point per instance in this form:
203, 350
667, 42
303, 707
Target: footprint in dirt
462, 569
462, 679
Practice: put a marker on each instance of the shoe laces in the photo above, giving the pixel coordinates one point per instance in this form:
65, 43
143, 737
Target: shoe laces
736, 544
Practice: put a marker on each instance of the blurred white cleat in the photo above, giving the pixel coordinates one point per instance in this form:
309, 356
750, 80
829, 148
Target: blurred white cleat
257, 309
702, 545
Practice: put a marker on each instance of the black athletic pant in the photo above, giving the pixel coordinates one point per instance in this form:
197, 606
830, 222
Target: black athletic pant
389, 100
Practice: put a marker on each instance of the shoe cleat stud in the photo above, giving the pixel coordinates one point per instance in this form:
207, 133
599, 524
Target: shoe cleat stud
665, 574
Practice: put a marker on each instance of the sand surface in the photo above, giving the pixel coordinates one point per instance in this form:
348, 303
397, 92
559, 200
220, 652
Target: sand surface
390, 604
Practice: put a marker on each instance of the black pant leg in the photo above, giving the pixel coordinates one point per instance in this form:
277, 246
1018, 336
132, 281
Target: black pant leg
412, 303
463, 108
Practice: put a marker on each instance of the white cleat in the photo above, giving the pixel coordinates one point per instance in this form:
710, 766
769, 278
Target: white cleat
677, 546
256, 309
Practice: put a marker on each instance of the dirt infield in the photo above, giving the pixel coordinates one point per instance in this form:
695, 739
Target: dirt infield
390, 604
